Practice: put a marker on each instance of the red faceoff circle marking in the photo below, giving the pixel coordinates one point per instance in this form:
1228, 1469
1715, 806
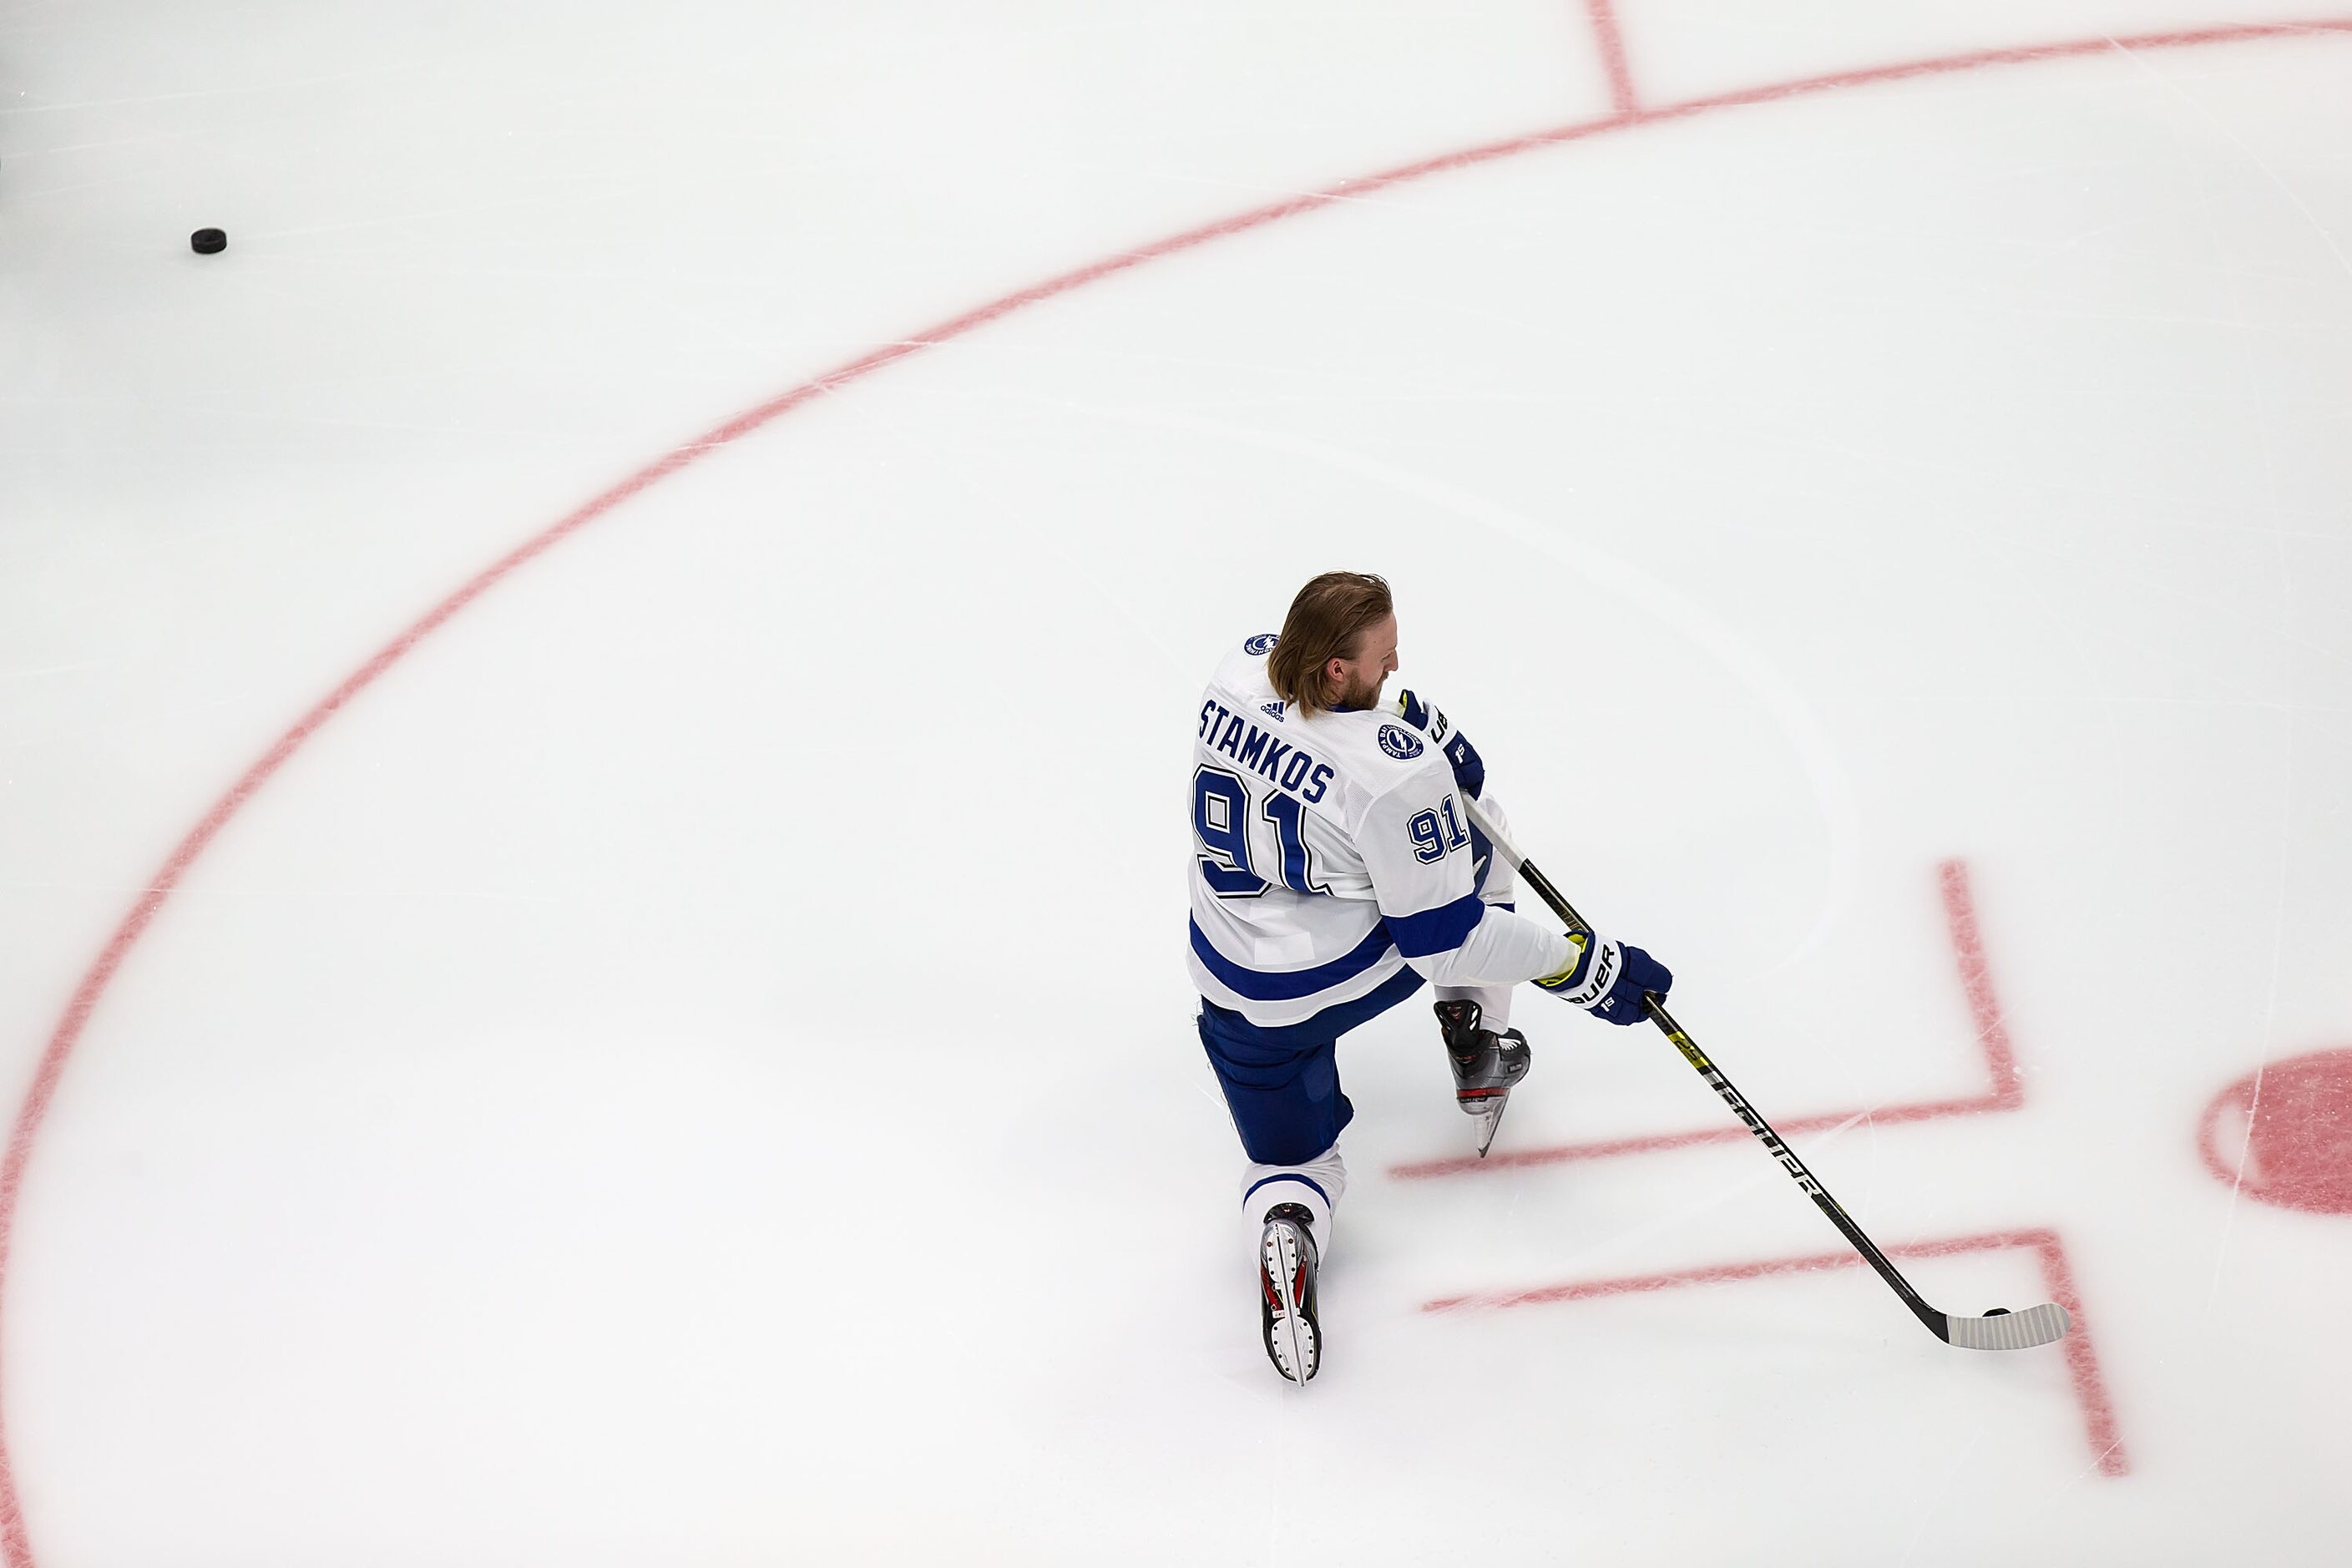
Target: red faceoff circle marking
2292, 1121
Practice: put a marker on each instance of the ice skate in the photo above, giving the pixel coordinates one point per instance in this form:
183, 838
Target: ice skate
1286, 1277
1486, 1065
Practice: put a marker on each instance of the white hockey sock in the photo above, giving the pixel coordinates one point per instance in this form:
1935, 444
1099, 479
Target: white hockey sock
1493, 1003
1315, 1186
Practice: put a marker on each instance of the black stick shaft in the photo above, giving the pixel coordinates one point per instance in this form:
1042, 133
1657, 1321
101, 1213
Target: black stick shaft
1731, 1096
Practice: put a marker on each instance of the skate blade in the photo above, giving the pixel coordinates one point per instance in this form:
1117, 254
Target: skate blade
1487, 1116
1293, 1345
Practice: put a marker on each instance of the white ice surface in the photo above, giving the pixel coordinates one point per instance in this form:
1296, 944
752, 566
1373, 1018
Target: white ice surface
694, 1065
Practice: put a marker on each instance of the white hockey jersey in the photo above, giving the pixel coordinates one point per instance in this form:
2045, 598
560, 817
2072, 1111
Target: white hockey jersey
1330, 851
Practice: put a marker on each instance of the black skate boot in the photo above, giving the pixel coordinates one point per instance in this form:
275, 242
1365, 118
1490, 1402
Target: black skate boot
1286, 1278
1485, 1065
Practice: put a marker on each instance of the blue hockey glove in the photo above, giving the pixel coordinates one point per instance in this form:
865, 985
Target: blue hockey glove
1609, 979
1469, 769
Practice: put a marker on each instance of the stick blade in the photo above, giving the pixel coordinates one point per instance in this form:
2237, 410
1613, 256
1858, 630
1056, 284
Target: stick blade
2042, 1325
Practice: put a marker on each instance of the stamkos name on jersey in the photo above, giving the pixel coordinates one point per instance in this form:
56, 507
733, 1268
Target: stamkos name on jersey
1287, 765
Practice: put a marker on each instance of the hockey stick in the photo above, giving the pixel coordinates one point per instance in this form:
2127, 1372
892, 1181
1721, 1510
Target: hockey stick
1998, 1329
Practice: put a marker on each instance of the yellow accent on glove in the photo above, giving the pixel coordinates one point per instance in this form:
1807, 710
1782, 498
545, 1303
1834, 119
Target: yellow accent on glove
1578, 942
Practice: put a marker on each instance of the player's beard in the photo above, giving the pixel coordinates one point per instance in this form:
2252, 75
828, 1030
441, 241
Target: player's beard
1360, 694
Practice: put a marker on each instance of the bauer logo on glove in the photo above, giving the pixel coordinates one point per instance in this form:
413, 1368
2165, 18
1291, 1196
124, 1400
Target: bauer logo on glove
1609, 979
1469, 769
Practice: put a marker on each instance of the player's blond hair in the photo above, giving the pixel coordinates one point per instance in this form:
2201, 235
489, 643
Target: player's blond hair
1329, 614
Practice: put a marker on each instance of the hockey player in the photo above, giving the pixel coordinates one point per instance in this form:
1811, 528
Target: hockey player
1335, 872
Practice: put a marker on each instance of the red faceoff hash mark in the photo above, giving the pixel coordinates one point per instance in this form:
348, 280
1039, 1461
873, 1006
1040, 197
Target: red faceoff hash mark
2099, 1427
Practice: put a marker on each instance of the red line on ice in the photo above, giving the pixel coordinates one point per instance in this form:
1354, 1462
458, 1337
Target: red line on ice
2007, 1090
1976, 977
15, 1540
1612, 55
2099, 1425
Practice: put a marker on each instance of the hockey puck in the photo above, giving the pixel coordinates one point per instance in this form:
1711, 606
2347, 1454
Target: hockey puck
207, 241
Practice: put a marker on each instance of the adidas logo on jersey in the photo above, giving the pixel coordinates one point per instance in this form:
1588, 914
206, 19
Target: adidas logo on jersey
1272, 708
